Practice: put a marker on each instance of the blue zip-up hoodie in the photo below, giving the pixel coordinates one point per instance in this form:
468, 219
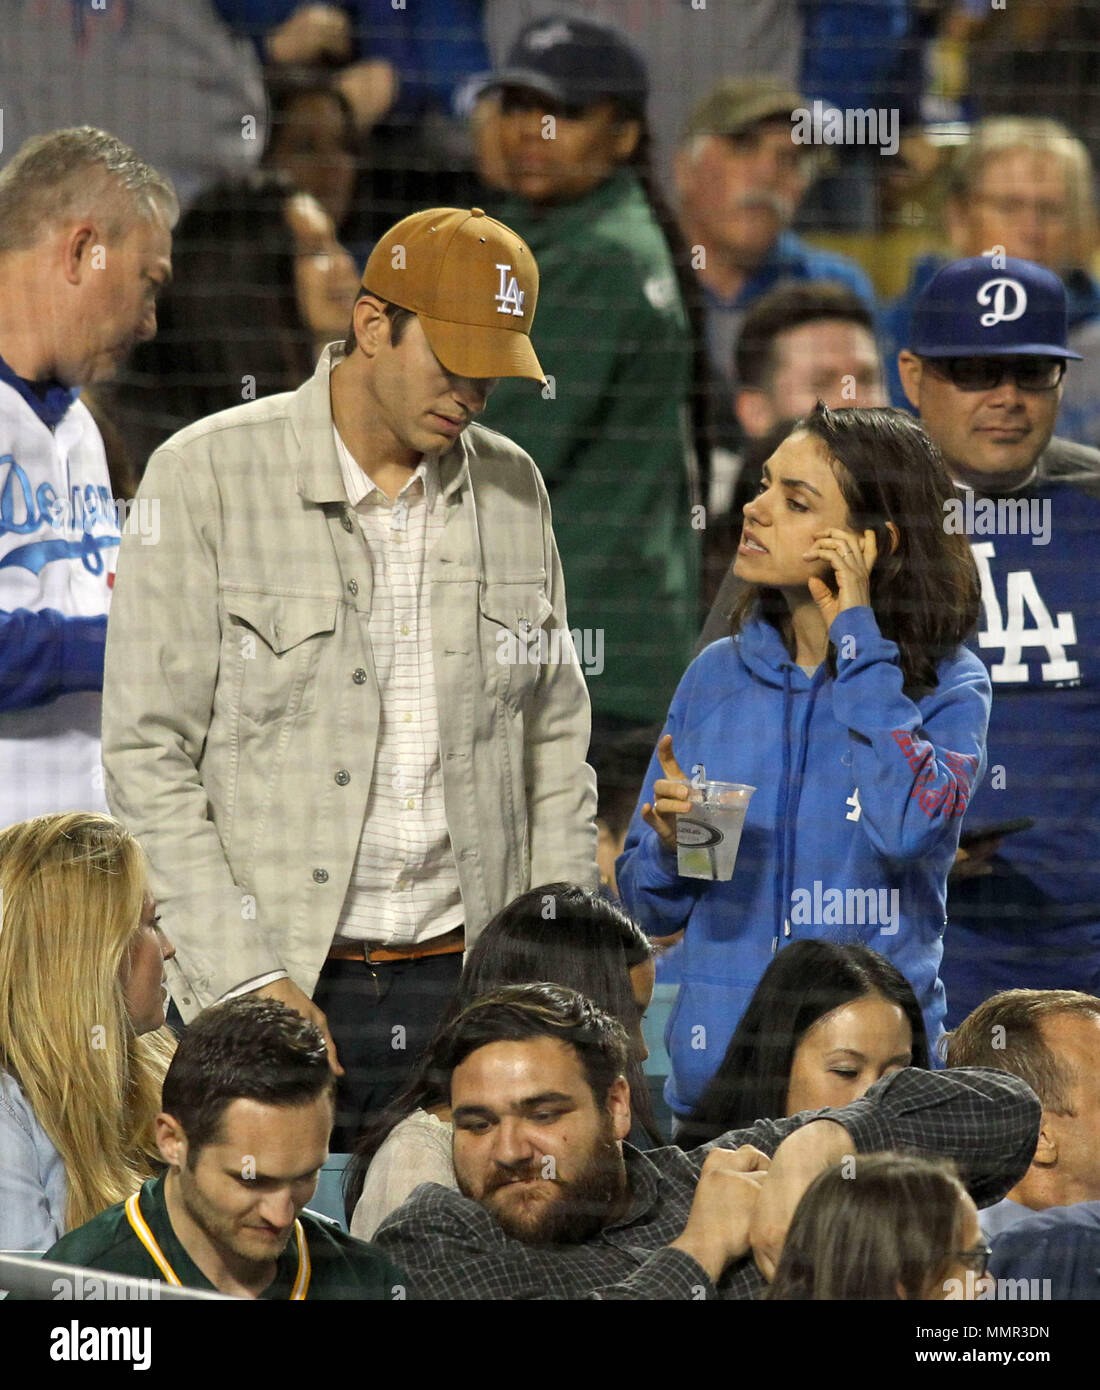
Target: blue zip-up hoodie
849, 835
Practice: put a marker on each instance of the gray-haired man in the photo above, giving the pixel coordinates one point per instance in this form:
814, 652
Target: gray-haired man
85, 244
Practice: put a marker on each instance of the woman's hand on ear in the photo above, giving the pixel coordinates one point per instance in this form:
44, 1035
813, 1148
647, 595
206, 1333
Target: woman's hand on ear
852, 558
671, 796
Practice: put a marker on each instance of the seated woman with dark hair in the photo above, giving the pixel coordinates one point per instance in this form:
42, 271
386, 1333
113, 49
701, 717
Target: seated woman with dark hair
559, 934
883, 1226
260, 286
824, 1023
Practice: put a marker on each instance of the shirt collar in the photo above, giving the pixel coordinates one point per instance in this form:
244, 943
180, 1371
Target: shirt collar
548, 225
1001, 1215
318, 474
786, 257
643, 1179
360, 487
154, 1208
50, 399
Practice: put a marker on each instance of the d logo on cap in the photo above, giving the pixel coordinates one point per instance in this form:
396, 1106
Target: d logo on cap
994, 292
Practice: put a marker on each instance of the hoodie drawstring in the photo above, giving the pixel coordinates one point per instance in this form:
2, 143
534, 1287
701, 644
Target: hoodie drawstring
785, 866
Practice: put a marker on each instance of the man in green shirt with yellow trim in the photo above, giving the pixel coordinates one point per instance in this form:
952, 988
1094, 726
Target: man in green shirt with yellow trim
248, 1108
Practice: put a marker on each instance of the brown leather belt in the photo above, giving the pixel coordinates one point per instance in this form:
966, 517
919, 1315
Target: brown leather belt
449, 944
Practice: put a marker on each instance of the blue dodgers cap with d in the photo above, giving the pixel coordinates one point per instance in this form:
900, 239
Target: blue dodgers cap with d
996, 307
575, 62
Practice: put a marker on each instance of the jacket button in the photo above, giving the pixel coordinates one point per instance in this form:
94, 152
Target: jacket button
359, 675
320, 875
353, 587
343, 777
345, 522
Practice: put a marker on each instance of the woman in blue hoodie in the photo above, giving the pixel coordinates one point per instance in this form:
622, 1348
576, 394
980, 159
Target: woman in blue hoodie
845, 697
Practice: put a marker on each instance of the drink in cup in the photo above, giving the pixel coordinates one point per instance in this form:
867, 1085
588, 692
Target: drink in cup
708, 835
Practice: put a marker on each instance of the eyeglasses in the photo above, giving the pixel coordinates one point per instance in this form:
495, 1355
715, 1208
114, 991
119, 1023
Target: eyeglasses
987, 373
976, 1258
1009, 207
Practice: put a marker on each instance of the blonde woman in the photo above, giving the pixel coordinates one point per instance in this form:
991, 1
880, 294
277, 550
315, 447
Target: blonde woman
81, 1003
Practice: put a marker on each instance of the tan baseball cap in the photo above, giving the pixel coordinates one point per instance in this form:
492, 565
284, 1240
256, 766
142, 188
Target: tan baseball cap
737, 103
472, 282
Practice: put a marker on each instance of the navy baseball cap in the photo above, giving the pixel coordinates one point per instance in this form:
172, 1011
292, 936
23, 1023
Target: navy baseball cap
974, 308
575, 62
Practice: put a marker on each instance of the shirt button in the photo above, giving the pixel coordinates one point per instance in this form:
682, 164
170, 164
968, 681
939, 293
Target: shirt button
359, 675
353, 587
404, 629
345, 522
407, 717
343, 777
410, 805
320, 875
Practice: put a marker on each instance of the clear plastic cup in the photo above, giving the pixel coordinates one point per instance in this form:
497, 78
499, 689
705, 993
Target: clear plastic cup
708, 835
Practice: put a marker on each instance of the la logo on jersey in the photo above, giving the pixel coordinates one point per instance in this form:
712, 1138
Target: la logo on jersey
1008, 298
509, 298
1013, 636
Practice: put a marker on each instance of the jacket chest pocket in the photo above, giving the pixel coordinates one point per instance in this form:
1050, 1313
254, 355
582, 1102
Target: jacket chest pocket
275, 644
514, 643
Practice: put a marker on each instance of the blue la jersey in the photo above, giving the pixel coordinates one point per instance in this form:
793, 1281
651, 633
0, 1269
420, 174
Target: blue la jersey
1038, 554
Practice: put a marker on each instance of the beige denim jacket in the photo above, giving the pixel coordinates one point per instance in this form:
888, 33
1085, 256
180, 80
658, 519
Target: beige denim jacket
241, 708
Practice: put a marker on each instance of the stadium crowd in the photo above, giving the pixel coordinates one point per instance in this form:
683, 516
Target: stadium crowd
550, 649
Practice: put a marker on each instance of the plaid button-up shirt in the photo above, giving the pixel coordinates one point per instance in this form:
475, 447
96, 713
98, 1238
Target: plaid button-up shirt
453, 1248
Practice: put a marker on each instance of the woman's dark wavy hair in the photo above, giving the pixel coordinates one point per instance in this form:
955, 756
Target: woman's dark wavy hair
229, 321
558, 934
862, 1230
926, 595
806, 980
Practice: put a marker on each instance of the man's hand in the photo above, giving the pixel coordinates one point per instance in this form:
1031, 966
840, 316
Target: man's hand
973, 862
718, 1224
371, 89
797, 1161
312, 34
671, 796
288, 993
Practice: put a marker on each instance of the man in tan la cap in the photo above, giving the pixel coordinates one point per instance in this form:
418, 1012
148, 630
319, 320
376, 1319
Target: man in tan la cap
344, 712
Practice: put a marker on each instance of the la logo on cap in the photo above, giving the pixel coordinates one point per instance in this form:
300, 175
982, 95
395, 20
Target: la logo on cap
549, 35
996, 292
509, 298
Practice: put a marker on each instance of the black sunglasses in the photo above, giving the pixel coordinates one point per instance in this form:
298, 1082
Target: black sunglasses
977, 1258
987, 373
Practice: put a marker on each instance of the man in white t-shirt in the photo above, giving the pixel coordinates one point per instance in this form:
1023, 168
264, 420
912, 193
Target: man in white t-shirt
85, 244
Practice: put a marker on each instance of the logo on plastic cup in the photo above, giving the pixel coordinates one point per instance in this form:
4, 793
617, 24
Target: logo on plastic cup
695, 833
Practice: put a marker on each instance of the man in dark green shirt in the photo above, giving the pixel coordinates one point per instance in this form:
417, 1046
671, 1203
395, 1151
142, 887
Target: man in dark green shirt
610, 430
244, 1131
